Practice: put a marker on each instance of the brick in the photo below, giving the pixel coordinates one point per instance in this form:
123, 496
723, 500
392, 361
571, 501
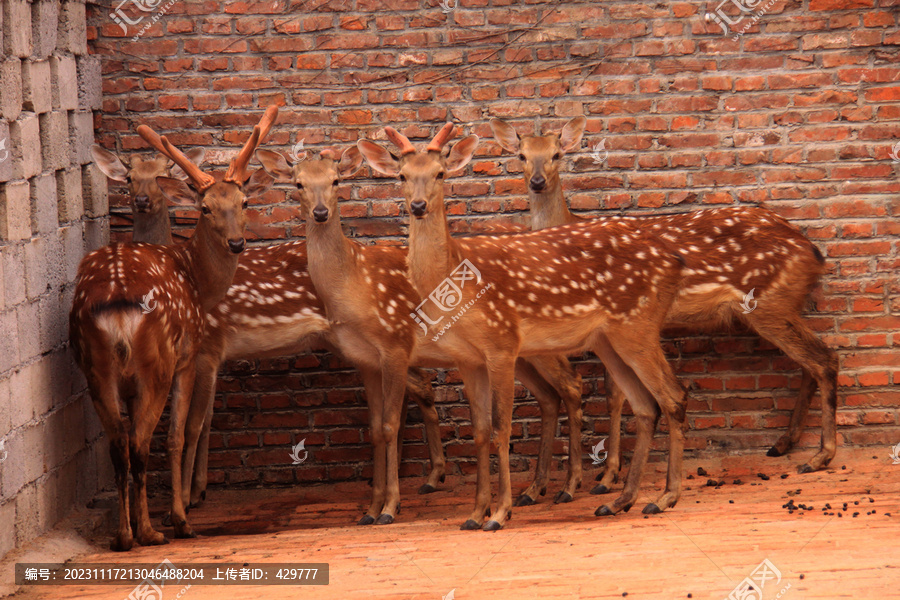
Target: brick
10, 88
81, 136
25, 145
70, 193
28, 327
43, 204
64, 91
9, 349
95, 196
16, 28
6, 156
73, 28
90, 83
15, 211
44, 24
54, 128
36, 86
14, 272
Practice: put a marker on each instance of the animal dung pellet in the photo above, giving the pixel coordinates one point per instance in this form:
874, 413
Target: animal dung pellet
702, 472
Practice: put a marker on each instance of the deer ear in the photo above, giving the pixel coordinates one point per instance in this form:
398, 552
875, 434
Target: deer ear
195, 155
275, 164
258, 183
570, 136
462, 153
177, 191
109, 164
351, 161
505, 135
378, 158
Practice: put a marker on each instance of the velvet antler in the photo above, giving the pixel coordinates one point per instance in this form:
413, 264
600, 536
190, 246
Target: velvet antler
237, 169
202, 181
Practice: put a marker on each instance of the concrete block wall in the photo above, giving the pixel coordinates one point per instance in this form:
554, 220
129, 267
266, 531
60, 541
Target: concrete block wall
53, 209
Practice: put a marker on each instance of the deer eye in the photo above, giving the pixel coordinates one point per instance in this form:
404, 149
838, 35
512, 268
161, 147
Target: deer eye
299, 186
402, 177
557, 156
205, 209
521, 157
245, 204
440, 175
334, 183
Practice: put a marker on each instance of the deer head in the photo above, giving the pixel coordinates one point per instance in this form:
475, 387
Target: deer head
317, 179
540, 155
421, 173
221, 203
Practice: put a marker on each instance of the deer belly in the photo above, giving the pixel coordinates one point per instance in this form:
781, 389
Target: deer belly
293, 336
563, 335
707, 303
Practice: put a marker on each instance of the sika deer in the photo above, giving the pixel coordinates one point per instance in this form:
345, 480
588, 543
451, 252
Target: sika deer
148, 203
731, 251
131, 348
366, 290
601, 284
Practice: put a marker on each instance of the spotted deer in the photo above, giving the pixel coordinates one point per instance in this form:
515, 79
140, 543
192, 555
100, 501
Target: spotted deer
730, 252
603, 285
149, 208
368, 298
138, 317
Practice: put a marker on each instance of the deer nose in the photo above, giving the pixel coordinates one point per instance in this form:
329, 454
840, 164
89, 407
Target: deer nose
320, 214
142, 202
538, 183
236, 246
418, 207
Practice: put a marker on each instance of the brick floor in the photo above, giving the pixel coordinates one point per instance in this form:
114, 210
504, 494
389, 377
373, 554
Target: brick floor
704, 547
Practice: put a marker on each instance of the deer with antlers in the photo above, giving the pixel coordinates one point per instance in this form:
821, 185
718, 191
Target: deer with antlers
603, 285
149, 207
732, 251
131, 350
368, 296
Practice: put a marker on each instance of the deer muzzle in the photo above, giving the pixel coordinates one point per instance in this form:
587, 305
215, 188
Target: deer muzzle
418, 208
236, 245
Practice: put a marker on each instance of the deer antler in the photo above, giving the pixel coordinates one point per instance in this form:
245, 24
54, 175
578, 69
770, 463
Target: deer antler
236, 170
400, 140
328, 153
202, 180
441, 138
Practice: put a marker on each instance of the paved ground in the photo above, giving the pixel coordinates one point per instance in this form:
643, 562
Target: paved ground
703, 548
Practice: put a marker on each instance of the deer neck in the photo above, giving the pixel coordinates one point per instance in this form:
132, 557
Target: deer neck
433, 253
549, 208
211, 264
330, 257
152, 228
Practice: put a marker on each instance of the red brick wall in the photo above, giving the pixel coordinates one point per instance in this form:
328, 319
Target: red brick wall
800, 111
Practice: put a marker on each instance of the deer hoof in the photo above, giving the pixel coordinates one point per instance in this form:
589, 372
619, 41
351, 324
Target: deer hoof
599, 476
188, 533
492, 526
366, 520
121, 545
470, 525
604, 511
427, 489
651, 509
600, 489
562, 498
524, 500
773, 451
166, 520
385, 519
805, 469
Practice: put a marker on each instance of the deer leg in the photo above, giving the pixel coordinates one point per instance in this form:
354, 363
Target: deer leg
548, 401
558, 371
196, 431
808, 388
646, 415
503, 384
421, 392
149, 404
478, 391
615, 399
104, 395
374, 398
795, 339
182, 391
393, 382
